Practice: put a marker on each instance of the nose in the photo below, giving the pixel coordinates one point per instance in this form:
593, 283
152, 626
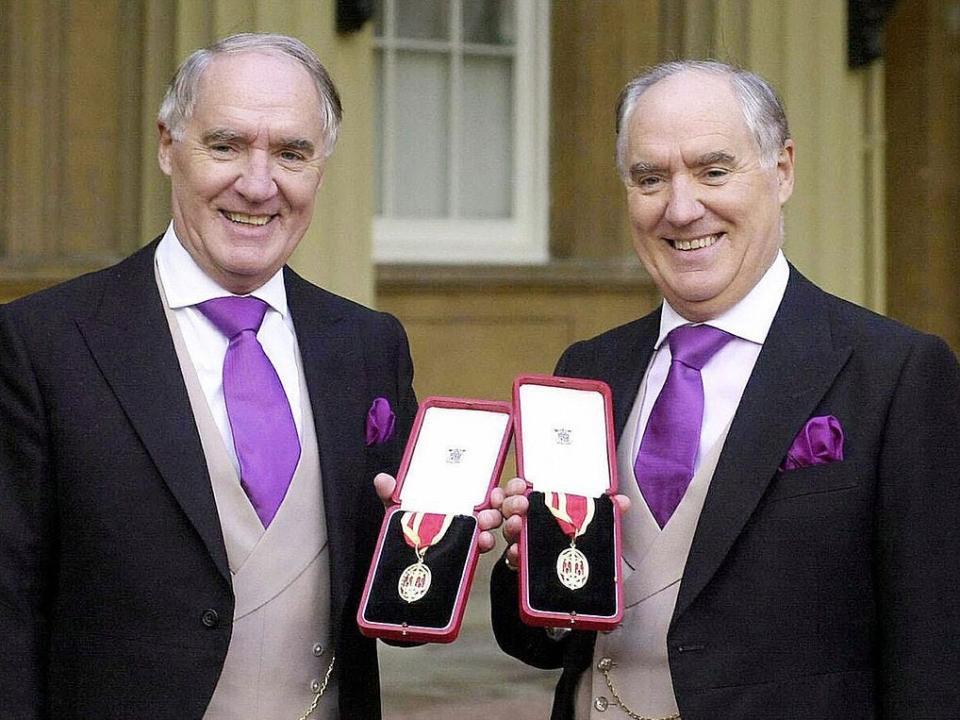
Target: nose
683, 205
256, 182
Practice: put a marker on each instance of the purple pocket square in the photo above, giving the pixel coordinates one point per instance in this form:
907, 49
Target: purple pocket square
380, 422
819, 443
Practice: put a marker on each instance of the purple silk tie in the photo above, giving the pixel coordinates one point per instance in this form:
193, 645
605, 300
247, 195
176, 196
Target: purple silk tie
264, 433
668, 450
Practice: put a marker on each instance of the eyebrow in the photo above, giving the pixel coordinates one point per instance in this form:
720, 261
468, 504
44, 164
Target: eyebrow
219, 135
717, 157
301, 144
225, 135
643, 168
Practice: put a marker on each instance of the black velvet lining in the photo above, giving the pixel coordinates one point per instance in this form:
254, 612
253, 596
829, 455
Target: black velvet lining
446, 561
545, 542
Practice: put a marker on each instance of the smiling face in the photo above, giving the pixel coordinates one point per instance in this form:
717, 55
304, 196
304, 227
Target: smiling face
246, 167
704, 211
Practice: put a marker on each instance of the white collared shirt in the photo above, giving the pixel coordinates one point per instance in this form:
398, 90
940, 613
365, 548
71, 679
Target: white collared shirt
185, 285
725, 376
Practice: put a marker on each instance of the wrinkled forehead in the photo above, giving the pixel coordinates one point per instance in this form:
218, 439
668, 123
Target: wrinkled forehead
693, 112
257, 89
256, 73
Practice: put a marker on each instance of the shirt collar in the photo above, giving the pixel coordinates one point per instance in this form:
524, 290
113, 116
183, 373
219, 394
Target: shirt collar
749, 319
185, 283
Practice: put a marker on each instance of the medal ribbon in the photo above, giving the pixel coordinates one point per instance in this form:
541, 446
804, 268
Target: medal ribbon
574, 513
424, 530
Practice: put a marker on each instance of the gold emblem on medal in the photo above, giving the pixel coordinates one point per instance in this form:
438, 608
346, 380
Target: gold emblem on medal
414, 582
573, 568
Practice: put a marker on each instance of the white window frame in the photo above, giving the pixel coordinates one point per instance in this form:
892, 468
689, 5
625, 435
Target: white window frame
521, 239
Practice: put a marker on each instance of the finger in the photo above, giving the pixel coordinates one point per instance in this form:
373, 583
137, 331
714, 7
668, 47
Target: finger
496, 498
516, 486
515, 505
486, 541
623, 503
384, 484
511, 529
489, 519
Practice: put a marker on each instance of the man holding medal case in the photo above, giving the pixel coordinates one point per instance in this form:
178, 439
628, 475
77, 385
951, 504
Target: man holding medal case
790, 460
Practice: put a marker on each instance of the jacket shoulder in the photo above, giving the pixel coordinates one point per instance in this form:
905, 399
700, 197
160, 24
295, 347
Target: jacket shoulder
863, 328
630, 337
303, 294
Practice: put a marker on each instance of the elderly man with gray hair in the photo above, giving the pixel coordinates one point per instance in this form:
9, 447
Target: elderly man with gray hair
790, 461
189, 438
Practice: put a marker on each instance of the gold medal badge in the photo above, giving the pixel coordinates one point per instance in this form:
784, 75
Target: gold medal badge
421, 531
573, 514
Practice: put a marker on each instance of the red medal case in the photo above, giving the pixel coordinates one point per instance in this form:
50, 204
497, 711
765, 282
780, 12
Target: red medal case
452, 461
565, 444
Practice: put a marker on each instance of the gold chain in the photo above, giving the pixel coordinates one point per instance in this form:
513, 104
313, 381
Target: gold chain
605, 666
323, 688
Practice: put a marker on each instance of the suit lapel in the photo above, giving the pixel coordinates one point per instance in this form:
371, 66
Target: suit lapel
333, 368
130, 341
623, 364
798, 364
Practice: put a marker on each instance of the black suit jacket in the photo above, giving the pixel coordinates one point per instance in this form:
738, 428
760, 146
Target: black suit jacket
115, 594
823, 592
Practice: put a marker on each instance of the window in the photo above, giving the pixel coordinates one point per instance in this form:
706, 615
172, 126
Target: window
461, 164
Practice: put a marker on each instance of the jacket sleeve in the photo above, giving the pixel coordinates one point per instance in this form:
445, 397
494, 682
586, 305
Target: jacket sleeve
27, 530
917, 539
406, 397
531, 645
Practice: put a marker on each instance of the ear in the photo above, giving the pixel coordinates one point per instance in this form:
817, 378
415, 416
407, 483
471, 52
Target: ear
785, 171
164, 149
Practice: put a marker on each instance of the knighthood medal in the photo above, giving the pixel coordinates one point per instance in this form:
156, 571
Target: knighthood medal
573, 513
421, 531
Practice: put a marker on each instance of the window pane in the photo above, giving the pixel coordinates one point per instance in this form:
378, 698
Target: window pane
421, 138
423, 19
491, 22
486, 160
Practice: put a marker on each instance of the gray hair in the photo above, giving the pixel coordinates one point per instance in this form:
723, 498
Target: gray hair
762, 108
181, 96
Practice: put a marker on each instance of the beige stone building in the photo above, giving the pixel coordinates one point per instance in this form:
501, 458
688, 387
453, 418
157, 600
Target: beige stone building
473, 191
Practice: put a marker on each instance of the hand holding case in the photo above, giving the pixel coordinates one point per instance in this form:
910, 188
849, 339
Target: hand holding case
570, 555
452, 461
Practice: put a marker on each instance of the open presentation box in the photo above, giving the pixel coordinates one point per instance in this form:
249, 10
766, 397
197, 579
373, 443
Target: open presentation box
427, 552
570, 540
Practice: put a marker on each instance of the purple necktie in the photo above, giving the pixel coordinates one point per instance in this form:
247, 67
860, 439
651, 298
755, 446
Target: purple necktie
668, 450
264, 433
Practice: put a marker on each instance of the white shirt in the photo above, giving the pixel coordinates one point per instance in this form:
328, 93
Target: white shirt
185, 285
725, 375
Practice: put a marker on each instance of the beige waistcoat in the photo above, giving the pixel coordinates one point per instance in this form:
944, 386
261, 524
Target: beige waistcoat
653, 561
280, 645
